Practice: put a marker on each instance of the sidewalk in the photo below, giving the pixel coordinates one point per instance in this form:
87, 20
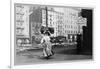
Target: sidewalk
35, 56
56, 46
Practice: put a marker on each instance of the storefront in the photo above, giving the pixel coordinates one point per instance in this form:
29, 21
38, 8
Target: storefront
22, 41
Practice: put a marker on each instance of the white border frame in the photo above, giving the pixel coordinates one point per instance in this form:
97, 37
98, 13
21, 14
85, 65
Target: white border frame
12, 28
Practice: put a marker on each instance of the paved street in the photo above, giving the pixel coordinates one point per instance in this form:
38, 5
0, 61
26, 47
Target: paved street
61, 54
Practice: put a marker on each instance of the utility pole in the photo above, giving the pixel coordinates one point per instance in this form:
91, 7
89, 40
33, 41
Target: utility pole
46, 18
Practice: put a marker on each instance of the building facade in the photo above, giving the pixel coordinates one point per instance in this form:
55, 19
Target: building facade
68, 23
29, 19
54, 20
22, 24
73, 22
22, 20
35, 21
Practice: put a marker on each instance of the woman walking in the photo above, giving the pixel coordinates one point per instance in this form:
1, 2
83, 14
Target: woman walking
46, 44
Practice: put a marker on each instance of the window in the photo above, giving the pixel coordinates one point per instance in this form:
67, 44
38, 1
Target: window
71, 31
68, 31
71, 26
65, 31
76, 32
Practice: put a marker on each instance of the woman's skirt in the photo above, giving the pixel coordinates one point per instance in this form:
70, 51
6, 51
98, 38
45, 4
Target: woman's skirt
47, 50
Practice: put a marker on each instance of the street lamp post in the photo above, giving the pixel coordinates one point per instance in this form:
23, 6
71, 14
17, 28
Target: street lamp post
46, 18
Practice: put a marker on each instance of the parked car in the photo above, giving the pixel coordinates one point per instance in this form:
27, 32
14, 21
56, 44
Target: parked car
58, 39
61, 39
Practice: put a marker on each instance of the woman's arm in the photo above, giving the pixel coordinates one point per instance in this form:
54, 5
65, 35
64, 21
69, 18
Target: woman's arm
42, 40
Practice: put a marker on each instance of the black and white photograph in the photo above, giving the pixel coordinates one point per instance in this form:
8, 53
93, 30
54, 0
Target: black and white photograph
52, 34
